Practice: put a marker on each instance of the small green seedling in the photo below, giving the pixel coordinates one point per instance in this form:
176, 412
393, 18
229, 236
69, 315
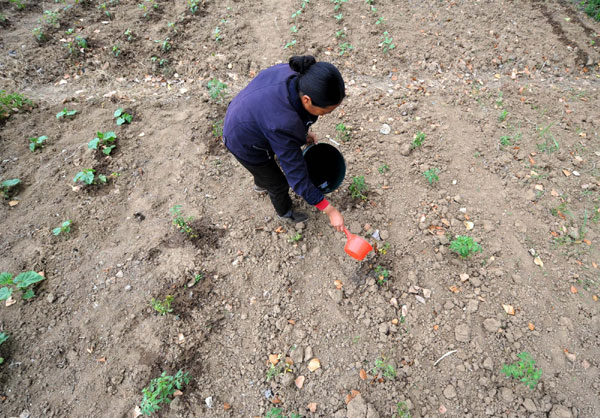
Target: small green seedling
383, 275
339, 17
290, 44
340, 34
116, 51
380, 21
7, 186
217, 34
432, 175
345, 47
24, 282
39, 35
342, 132
51, 18
277, 413
162, 308
165, 45
464, 246
217, 90
129, 35
386, 43
505, 141
193, 6
295, 238
3, 338
122, 117
64, 228
386, 370
383, 168
503, 115
161, 389
182, 223
358, 188
88, 177
19, 4
384, 248
294, 29
217, 129
198, 277
275, 370
11, 103
66, 113
523, 370
104, 141
403, 411
37, 142
418, 140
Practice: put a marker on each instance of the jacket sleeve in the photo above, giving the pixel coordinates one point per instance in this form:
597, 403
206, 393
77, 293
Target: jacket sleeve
287, 148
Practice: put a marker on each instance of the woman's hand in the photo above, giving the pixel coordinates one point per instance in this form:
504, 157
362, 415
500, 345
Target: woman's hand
335, 218
311, 138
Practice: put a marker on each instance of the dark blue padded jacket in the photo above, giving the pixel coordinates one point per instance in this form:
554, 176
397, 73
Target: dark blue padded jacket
267, 118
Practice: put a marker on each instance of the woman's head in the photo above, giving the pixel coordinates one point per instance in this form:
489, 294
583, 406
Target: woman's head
320, 84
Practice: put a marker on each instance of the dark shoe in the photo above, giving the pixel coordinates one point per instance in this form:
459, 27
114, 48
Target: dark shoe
294, 216
258, 189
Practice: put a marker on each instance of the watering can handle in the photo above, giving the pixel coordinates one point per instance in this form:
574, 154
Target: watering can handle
348, 234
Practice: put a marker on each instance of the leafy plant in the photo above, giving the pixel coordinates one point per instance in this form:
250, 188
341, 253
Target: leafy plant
182, 223
217, 90
3, 338
358, 188
432, 175
148, 7
165, 45
7, 185
129, 34
104, 141
503, 115
11, 103
116, 51
464, 246
342, 132
387, 370
339, 17
384, 248
337, 4
275, 370
217, 129
122, 117
24, 282
162, 308
88, 177
294, 29
51, 18
386, 43
290, 44
345, 47
523, 370
403, 411
340, 34
37, 142
592, 8
418, 140
66, 113
39, 35
380, 21
295, 238
193, 6
64, 228
217, 34
383, 168
19, 4
383, 275
161, 389
505, 140
277, 413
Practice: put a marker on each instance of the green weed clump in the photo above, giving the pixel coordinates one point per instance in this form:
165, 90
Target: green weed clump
403, 411
217, 90
104, 141
64, 228
163, 308
37, 142
182, 223
88, 177
11, 103
23, 282
592, 8
122, 117
278, 413
387, 370
418, 140
523, 370
464, 246
358, 188
160, 391
383, 275
432, 175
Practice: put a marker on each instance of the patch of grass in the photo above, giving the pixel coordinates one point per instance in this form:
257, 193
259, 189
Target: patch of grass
163, 307
503, 115
523, 370
161, 389
278, 413
358, 188
592, 8
464, 246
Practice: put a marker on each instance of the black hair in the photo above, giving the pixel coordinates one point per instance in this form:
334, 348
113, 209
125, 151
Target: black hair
321, 81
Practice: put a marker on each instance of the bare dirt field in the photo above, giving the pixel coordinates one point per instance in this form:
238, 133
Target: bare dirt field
474, 119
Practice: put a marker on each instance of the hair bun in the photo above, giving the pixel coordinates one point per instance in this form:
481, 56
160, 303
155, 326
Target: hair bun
301, 63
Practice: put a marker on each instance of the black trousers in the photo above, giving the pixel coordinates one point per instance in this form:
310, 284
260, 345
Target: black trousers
270, 177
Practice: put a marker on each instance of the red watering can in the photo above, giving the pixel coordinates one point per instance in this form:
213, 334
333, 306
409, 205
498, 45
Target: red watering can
356, 247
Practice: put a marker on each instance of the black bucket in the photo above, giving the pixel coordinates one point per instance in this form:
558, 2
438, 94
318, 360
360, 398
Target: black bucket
326, 166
